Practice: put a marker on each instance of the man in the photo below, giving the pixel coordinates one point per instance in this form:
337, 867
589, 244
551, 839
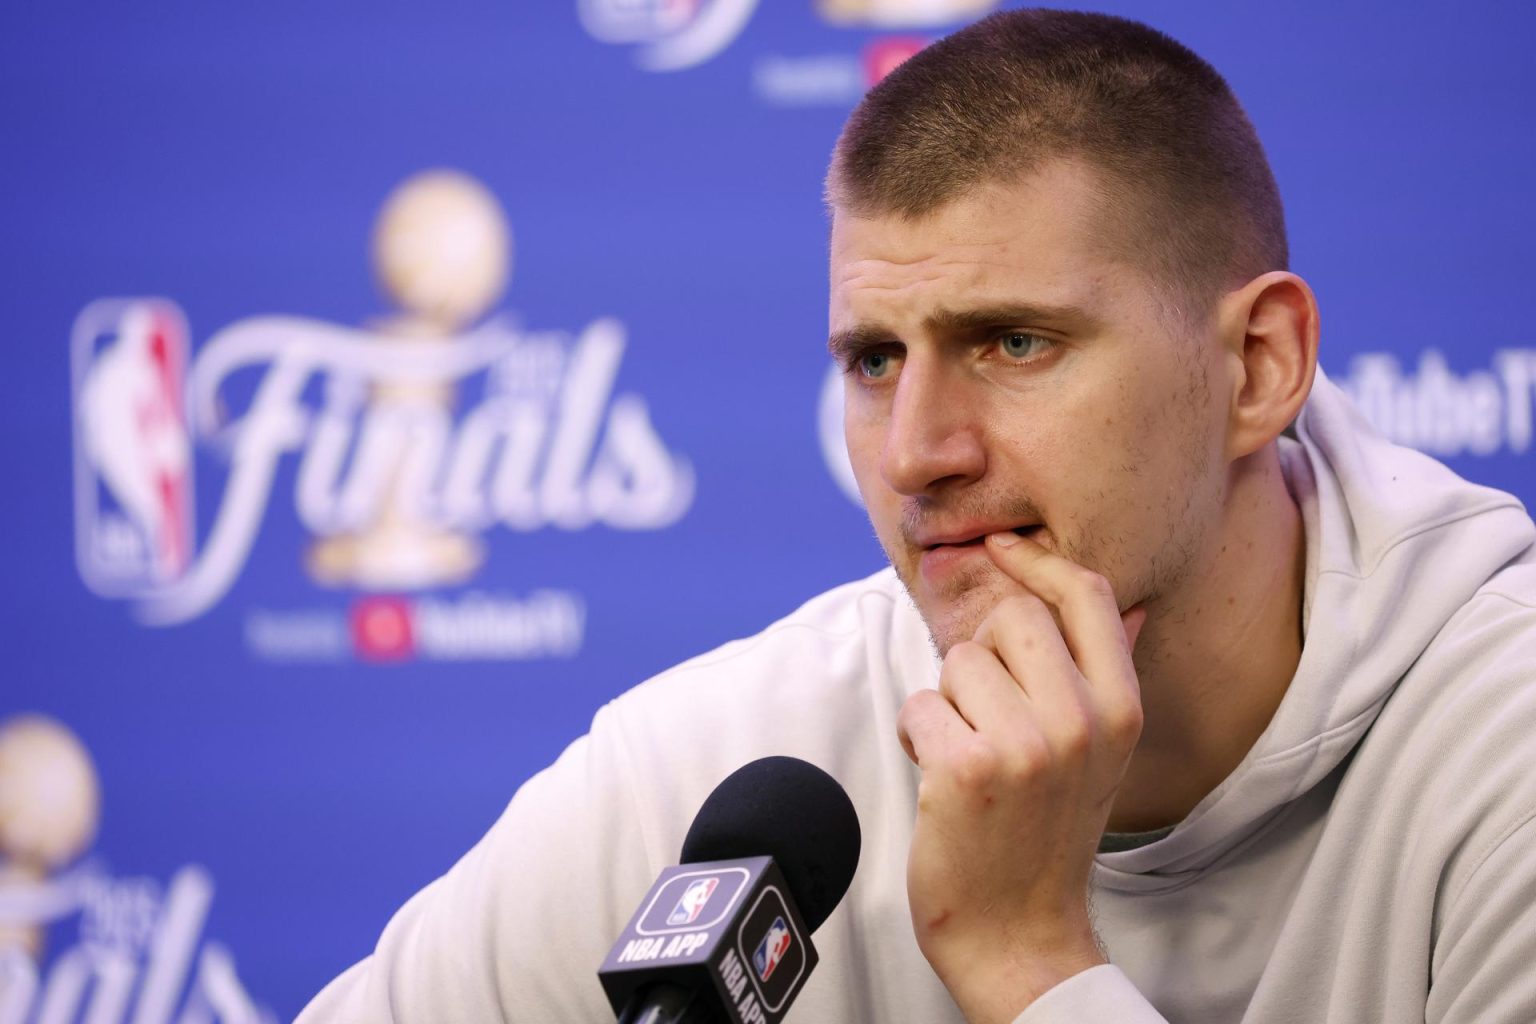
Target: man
1227, 723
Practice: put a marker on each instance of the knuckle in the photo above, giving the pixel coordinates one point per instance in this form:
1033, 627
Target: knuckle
1031, 757
977, 766
1092, 584
1123, 721
1018, 619
1020, 605
964, 657
916, 708
1075, 733
917, 700
965, 650
930, 798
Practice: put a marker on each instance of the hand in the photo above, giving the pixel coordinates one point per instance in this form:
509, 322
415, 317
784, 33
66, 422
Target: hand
1021, 748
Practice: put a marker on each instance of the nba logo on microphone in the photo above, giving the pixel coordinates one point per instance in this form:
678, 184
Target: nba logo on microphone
772, 949
692, 902
133, 451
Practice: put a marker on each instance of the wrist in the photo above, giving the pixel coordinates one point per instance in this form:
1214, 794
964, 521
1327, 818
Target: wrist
996, 987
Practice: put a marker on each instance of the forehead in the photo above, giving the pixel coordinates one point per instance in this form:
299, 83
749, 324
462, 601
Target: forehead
1044, 239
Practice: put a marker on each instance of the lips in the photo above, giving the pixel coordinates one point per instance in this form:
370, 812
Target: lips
962, 541
945, 558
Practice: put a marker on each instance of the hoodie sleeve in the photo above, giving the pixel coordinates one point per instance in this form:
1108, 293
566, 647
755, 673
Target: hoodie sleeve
1099, 993
516, 930
1481, 969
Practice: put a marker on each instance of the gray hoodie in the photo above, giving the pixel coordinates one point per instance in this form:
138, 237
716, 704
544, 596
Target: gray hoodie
1373, 858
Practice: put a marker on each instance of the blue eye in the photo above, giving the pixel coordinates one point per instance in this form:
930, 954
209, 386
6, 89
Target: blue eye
874, 364
1020, 345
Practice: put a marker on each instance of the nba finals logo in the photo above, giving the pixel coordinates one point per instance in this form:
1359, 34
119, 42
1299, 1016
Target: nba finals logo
670, 35
840, 76
412, 436
138, 953
902, 13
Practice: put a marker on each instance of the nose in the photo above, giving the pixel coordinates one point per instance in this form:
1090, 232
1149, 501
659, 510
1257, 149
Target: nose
933, 439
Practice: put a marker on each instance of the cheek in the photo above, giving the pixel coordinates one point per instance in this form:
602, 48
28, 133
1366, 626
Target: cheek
864, 437
1154, 485
1083, 460
1047, 452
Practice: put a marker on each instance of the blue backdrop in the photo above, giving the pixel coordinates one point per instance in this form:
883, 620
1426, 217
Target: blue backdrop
326, 527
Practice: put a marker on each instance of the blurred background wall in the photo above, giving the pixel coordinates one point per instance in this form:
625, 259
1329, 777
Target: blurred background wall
388, 386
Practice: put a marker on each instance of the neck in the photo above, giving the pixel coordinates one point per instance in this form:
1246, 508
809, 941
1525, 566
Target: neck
1216, 656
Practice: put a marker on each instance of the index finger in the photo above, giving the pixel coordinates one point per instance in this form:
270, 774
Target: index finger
1090, 617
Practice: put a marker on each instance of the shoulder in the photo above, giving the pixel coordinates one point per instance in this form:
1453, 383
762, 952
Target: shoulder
1479, 762
1454, 741
1480, 667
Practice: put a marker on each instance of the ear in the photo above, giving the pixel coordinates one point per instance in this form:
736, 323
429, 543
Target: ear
1269, 329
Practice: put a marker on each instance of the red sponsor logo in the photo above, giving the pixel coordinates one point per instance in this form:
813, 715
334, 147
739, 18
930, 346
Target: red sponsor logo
882, 56
382, 629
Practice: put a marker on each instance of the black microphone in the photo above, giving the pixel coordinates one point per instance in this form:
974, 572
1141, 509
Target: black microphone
724, 937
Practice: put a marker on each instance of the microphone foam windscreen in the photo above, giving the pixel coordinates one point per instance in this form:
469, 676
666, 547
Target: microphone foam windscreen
792, 811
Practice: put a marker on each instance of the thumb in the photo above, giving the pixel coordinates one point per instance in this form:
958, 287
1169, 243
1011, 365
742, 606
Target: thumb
1132, 619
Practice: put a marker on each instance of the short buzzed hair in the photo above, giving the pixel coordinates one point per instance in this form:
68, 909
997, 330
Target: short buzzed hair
1180, 163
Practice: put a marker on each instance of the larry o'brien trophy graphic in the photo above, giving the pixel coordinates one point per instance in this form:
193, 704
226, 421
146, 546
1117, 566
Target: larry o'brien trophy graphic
441, 250
49, 805
137, 955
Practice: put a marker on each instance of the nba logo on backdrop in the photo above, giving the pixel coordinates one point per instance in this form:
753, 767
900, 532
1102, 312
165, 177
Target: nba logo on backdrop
133, 453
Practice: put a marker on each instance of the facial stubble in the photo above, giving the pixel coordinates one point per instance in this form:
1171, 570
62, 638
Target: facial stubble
974, 591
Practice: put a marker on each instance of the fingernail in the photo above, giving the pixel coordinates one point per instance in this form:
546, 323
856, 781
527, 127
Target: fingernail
1005, 539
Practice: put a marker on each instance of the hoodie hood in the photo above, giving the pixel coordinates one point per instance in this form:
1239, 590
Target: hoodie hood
1396, 544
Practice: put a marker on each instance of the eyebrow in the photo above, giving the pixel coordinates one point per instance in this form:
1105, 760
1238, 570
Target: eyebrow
843, 344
